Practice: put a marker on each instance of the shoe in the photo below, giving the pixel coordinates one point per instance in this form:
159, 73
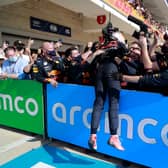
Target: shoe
92, 143
114, 141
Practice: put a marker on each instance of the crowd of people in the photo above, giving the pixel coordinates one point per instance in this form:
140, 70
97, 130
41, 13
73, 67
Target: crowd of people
108, 65
139, 6
47, 65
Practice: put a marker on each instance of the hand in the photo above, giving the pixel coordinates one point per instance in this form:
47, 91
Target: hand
117, 60
3, 75
98, 52
53, 82
30, 42
31, 59
156, 38
142, 41
94, 46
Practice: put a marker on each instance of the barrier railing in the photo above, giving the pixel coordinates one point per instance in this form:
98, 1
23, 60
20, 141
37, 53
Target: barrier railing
143, 123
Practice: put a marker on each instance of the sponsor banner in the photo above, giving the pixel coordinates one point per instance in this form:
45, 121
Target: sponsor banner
46, 26
123, 7
143, 123
21, 105
126, 9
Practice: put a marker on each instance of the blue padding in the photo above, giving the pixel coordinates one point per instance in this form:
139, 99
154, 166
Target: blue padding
143, 122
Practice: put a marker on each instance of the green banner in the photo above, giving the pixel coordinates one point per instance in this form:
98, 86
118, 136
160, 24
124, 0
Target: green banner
21, 105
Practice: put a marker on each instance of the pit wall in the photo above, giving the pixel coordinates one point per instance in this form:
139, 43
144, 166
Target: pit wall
64, 113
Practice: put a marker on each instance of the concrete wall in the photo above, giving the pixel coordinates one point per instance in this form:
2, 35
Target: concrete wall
15, 19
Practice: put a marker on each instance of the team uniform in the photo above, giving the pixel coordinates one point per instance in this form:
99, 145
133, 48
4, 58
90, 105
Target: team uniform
46, 68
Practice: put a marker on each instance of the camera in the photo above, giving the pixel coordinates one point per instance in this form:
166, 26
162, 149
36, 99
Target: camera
142, 25
114, 42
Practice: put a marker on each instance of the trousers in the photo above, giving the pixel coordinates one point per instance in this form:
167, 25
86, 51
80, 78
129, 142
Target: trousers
106, 86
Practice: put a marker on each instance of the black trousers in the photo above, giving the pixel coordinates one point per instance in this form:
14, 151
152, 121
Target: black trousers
106, 85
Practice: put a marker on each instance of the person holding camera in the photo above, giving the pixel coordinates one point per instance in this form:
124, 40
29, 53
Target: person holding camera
131, 64
78, 65
106, 84
156, 78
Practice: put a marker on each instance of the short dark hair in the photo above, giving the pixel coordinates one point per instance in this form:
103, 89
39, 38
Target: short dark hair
6, 42
19, 45
9, 48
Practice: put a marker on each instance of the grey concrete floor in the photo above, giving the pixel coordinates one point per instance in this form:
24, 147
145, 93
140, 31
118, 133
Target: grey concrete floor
14, 143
